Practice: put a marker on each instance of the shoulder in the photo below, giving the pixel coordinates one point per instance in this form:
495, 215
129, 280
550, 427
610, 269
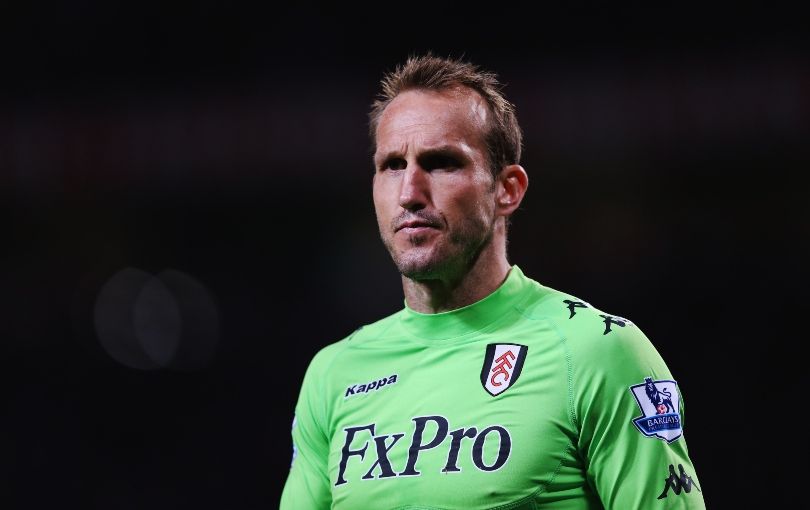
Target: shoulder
332, 353
590, 333
568, 312
373, 331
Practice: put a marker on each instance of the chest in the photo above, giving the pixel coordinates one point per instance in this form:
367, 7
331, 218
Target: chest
453, 426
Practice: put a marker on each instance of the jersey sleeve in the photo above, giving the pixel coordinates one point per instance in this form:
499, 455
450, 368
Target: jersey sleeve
307, 484
630, 414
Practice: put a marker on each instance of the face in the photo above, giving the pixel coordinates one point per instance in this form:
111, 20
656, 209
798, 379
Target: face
433, 188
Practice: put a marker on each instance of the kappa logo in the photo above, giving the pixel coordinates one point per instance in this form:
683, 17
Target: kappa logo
573, 305
612, 319
660, 402
678, 484
356, 389
502, 366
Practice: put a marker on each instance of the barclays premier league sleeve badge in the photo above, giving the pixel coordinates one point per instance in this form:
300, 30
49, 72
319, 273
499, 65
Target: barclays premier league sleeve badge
660, 403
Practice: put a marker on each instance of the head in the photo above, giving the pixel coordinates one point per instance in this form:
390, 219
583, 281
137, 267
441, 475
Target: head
447, 166
501, 133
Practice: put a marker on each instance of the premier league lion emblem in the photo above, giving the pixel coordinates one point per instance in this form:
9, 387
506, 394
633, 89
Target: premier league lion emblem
659, 401
662, 400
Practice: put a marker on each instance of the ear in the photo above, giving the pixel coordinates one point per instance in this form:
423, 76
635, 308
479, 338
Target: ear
511, 183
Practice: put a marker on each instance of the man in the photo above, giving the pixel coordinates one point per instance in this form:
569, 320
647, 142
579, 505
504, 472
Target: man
488, 390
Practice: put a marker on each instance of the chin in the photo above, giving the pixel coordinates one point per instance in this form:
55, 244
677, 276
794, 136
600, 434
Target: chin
418, 272
422, 265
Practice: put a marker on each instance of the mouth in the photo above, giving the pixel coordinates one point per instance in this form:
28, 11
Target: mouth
414, 226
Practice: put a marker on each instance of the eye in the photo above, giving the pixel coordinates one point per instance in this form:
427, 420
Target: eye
394, 164
441, 162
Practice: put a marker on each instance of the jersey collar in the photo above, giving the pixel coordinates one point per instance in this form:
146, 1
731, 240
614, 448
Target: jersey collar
471, 318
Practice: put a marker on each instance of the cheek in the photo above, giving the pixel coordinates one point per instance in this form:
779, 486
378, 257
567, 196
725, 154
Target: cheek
475, 204
376, 194
380, 208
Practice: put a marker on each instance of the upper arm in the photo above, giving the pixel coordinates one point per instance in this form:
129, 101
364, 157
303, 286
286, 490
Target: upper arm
307, 485
632, 438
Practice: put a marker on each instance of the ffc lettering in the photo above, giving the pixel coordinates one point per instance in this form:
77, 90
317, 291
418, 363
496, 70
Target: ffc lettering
501, 364
430, 432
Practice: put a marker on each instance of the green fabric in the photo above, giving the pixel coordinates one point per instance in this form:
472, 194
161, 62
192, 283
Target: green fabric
396, 416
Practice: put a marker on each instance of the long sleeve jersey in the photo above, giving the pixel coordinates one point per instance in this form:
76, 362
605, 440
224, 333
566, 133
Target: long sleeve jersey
527, 399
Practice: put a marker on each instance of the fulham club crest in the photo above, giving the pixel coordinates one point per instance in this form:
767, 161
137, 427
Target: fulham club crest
502, 366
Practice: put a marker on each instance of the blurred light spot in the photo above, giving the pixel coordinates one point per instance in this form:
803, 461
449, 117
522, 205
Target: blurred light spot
113, 318
200, 320
166, 321
157, 322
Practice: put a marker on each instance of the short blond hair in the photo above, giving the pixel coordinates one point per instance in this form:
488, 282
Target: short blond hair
503, 137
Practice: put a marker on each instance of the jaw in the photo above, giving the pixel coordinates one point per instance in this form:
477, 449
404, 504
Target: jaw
437, 261
417, 262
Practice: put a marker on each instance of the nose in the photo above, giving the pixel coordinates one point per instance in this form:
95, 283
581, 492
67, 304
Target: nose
414, 192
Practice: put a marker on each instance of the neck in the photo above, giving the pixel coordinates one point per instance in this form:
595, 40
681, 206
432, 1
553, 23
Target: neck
487, 273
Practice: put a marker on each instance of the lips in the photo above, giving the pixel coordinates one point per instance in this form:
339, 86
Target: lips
413, 224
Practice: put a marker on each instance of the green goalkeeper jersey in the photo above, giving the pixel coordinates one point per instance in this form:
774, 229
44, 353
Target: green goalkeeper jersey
529, 398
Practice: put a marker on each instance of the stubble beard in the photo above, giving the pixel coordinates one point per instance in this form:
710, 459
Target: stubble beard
448, 258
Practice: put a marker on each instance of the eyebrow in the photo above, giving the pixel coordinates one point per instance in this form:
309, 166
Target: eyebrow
441, 151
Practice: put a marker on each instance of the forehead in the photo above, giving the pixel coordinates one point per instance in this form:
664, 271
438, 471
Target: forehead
427, 117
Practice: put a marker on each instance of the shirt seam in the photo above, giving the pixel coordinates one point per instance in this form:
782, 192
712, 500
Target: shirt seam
572, 416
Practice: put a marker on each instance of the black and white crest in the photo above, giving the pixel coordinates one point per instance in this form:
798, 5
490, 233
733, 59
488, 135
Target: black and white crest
502, 366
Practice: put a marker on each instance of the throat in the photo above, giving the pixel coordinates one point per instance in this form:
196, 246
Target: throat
445, 294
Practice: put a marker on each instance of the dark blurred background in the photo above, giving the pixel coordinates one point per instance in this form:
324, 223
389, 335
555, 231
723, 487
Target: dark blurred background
187, 219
